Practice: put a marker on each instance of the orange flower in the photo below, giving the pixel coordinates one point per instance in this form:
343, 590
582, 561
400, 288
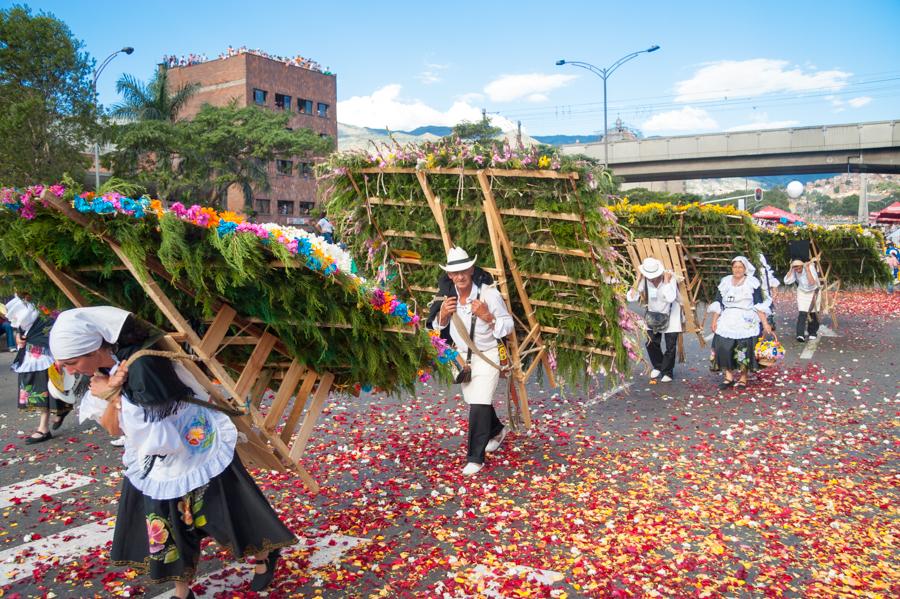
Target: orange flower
213, 217
231, 217
157, 208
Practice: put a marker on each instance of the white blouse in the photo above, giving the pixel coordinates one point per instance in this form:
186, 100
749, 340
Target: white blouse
738, 317
485, 337
196, 443
661, 299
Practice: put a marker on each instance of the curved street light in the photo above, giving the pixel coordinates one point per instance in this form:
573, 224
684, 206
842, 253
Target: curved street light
97, 71
604, 74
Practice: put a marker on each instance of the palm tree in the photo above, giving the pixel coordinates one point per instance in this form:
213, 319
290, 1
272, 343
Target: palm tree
151, 102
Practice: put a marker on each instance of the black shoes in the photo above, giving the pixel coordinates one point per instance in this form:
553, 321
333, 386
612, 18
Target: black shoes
44, 437
58, 423
261, 581
190, 595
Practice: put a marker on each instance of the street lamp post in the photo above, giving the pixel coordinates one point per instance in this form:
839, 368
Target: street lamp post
106, 61
604, 74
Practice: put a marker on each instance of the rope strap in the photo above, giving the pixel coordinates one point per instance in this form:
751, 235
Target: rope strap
171, 355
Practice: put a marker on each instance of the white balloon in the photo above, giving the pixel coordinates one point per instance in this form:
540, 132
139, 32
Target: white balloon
794, 189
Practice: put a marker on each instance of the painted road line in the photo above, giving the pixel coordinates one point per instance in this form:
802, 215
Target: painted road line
324, 551
62, 547
51, 484
810, 349
825, 331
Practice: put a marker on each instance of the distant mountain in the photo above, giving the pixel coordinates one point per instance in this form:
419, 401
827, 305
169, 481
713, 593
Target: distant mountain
351, 137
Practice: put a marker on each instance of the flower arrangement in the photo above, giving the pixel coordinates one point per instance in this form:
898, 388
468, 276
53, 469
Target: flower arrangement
573, 279
311, 295
769, 352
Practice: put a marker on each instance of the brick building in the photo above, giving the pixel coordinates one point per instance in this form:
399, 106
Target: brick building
310, 96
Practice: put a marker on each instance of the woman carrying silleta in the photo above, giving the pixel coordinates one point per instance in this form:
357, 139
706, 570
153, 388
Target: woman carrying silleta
662, 317
737, 314
809, 301
32, 364
183, 481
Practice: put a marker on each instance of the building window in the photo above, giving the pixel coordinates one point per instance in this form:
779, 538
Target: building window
323, 135
284, 167
285, 207
263, 206
305, 169
306, 208
283, 102
259, 96
304, 106
322, 109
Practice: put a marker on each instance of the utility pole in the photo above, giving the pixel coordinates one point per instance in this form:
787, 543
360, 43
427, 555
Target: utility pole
518, 134
862, 214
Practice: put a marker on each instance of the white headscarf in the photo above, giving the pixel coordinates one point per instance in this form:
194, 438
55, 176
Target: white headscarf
750, 269
82, 330
21, 314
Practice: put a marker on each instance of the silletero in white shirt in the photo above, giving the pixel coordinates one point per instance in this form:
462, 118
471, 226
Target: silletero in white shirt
663, 298
485, 337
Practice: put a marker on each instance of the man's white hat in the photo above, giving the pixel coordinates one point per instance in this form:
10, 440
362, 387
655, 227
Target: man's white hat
458, 259
651, 268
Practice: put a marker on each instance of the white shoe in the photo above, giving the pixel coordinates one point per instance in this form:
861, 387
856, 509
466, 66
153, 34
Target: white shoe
654, 373
118, 441
812, 337
666, 379
472, 468
494, 444
13, 350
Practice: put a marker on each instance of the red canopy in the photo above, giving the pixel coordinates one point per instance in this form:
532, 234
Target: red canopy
773, 213
891, 214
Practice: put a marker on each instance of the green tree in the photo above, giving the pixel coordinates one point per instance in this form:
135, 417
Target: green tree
153, 101
47, 108
479, 133
642, 195
200, 159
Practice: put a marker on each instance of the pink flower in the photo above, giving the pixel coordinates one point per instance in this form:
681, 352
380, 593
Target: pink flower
157, 534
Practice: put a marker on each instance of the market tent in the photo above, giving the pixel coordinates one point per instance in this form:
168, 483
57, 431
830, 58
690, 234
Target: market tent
891, 214
777, 214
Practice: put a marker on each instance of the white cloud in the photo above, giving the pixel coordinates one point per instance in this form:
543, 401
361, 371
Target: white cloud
432, 73
686, 119
758, 125
532, 86
385, 108
859, 102
754, 77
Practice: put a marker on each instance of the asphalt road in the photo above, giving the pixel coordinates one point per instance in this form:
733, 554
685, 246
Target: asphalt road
622, 490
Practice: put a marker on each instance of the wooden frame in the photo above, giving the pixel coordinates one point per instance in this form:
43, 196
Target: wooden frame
506, 272
265, 446
671, 253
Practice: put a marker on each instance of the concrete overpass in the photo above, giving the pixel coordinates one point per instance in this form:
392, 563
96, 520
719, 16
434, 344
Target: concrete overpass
862, 148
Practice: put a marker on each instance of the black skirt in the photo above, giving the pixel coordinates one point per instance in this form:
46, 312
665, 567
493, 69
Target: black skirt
735, 354
162, 537
34, 395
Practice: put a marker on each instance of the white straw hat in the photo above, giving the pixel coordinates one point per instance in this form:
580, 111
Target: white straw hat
457, 260
651, 268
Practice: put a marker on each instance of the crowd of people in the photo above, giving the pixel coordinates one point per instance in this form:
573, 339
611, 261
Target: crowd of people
295, 61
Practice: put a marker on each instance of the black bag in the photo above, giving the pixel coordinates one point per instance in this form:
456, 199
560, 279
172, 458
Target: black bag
657, 322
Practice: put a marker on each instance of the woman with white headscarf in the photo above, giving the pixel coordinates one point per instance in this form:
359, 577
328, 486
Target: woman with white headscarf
738, 312
31, 364
183, 481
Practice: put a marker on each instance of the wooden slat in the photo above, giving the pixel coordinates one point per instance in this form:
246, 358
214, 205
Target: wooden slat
312, 415
550, 249
567, 216
217, 330
542, 174
563, 306
411, 234
560, 279
435, 205
590, 350
61, 281
299, 402
285, 391
260, 386
255, 364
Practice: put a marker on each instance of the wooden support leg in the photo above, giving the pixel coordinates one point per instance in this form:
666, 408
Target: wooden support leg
60, 280
312, 415
285, 391
299, 403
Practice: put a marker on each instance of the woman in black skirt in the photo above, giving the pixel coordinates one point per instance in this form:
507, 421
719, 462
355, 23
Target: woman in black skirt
738, 312
31, 364
183, 481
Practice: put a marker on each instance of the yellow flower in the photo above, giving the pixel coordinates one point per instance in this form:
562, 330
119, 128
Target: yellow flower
231, 217
430, 160
543, 162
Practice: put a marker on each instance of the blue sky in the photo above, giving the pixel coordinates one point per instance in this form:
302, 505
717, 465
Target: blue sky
722, 65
